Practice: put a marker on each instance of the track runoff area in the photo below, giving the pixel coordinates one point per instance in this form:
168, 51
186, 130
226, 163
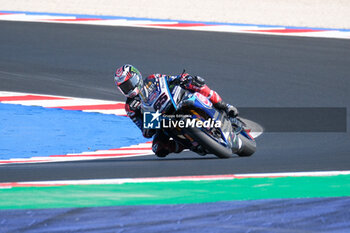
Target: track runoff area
250, 190
174, 24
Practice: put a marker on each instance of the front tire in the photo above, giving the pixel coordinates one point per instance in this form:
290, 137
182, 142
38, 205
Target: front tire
248, 147
209, 143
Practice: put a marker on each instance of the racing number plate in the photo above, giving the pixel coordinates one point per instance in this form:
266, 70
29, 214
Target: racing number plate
164, 97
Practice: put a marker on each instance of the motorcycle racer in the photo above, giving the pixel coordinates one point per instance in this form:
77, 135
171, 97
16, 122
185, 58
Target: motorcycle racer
131, 84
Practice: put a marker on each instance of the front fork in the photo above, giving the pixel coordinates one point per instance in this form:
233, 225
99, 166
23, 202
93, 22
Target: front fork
237, 128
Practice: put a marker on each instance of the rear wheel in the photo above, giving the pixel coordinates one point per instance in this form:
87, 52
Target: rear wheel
209, 143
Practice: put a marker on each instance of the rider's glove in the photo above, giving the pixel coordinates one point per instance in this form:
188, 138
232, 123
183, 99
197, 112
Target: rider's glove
185, 79
196, 81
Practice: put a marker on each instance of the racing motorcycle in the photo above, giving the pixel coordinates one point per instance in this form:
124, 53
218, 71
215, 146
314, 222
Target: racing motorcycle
191, 119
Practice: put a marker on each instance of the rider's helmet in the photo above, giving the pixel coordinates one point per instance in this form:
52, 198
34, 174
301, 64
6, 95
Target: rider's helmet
128, 80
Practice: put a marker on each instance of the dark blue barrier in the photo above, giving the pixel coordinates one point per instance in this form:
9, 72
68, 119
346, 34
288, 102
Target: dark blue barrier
281, 215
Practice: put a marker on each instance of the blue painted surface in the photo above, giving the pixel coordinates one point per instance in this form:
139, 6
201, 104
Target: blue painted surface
281, 215
168, 20
28, 131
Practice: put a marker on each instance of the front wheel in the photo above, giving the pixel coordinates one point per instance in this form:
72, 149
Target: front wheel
248, 147
209, 143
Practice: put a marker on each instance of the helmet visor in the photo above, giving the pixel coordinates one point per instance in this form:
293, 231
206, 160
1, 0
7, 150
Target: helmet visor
129, 85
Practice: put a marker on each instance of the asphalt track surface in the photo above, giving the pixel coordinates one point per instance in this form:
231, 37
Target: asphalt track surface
248, 70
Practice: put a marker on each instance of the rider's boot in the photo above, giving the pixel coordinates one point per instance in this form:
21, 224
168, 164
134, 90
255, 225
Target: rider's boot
228, 108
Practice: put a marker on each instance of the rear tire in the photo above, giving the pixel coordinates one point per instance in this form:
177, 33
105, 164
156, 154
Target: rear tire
248, 147
210, 144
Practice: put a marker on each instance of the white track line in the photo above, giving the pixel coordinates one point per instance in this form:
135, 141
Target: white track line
172, 179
